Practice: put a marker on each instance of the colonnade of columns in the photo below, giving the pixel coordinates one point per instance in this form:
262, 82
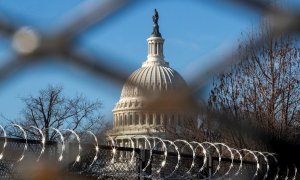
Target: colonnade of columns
138, 118
138, 143
129, 119
155, 47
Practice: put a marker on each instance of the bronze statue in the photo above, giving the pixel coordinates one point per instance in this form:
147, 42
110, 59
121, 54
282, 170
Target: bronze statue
155, 16
155, 32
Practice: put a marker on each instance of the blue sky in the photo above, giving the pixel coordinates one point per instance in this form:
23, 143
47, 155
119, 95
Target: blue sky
194, 32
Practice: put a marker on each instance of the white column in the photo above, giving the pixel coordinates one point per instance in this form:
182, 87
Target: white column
152, 49
137, 143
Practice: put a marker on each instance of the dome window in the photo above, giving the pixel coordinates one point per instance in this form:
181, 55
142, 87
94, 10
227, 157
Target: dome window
143, 120
151, 119
117, 121
125, 120
136, 119
130, 119
158, 121
121, 121
165, 121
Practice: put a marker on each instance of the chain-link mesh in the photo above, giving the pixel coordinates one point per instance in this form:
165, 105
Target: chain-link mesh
18, 153
108, 166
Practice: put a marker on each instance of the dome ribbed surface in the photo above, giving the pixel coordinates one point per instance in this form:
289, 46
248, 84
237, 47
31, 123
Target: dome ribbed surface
153, 79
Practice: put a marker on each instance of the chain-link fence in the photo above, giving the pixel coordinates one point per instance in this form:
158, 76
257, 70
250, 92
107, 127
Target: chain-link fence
123, 163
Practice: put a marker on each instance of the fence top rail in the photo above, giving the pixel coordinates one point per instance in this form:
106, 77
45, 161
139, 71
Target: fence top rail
28, 141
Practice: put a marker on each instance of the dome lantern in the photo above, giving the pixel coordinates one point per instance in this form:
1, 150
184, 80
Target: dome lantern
155, 45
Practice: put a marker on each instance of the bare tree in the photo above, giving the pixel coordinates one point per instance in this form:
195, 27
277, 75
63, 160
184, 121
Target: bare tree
262, 89
51, 109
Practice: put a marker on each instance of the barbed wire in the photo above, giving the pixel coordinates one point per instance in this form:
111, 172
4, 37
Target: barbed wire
157, 148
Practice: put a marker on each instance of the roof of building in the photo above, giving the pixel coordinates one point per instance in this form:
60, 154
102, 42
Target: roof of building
152, 79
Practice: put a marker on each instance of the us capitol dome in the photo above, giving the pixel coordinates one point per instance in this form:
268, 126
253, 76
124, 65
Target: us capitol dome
132, 118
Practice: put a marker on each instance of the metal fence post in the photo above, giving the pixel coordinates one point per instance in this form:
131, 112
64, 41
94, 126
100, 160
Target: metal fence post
144, 157
210, 170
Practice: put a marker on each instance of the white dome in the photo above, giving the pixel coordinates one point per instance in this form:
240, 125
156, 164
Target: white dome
154, 79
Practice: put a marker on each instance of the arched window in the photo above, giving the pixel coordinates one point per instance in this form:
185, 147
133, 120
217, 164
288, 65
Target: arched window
150, 118
158, 119
125, 120
130, 119
121, 120
165, 119
116, 121
136, 119
143, 119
